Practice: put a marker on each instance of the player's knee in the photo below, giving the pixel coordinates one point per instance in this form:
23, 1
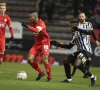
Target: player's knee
1, 52
65, 61
76, 64
89, 59
29, 59
45, 59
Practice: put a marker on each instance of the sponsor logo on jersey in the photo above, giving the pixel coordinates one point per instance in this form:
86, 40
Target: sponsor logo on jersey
2, 24
5, 20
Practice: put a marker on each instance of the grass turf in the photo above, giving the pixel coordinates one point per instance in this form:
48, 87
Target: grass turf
8, 80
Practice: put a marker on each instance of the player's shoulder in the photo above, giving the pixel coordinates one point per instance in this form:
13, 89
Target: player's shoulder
87, 22
7, 16
41, 23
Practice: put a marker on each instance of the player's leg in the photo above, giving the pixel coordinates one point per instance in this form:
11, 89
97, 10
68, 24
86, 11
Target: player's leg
2, 49
47, 68
79, 63
1, 59
74, 70
32, 53
45, 55
88, 64
1, 56
67, 70
69, 59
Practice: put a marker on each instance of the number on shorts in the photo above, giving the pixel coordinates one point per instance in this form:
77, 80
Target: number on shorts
83, 60
81, 57
46, 47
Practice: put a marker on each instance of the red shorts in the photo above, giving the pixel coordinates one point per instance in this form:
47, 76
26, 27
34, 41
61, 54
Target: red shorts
2, 45
38, 49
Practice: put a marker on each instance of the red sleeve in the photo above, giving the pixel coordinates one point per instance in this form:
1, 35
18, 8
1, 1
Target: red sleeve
9, 22
33, 29
10, 26
11, 31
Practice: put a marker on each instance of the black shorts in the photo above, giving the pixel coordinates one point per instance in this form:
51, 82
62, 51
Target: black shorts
82, 55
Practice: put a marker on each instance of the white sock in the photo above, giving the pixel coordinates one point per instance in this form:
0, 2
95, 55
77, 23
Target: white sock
69, 79
92, 76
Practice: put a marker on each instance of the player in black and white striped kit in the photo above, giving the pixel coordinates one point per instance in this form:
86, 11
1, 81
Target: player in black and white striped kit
86, 26
78, 58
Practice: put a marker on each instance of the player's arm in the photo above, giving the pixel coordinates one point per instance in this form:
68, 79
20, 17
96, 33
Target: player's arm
88, 32
37, 29
10, 27
93, 35
69, 46
96, 41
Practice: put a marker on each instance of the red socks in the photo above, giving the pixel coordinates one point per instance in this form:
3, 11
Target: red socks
1, 58
36, 67
48, 70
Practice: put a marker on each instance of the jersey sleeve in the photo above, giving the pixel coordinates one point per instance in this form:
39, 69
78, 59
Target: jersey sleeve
91, 26
10, 26
73, 40
9, 22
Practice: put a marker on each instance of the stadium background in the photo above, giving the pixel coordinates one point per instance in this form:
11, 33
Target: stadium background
58, 29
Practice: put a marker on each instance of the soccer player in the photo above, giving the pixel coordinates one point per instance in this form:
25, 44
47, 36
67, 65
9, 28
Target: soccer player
41, 45
4, 20
84, 25
84, 51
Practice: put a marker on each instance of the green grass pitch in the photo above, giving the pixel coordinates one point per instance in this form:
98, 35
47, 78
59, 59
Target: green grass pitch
8, 80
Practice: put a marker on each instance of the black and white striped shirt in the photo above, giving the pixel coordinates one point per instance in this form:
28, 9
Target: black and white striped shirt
82, 40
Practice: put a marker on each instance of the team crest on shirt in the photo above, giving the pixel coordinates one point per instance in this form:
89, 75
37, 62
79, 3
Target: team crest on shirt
5, 20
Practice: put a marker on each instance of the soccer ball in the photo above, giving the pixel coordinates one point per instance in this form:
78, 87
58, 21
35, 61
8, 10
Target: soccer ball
21, 75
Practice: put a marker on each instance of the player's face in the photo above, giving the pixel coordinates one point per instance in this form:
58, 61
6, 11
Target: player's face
2, 9
82, 17
32, 18
73, 25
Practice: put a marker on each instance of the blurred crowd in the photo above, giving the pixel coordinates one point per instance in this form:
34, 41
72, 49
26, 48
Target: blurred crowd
47, 7
90, 7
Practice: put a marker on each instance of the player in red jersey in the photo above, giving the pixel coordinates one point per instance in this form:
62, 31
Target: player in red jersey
41, 45
4, 20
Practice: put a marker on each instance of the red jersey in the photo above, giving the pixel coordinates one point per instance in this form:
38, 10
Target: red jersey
5, 20
42, 37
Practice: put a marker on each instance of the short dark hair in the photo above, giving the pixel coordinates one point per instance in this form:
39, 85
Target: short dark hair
74, 21
34, 11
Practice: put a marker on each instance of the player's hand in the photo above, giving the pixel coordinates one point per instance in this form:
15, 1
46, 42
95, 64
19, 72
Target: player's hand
54, 43
11, 38
24, 24
97, 43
